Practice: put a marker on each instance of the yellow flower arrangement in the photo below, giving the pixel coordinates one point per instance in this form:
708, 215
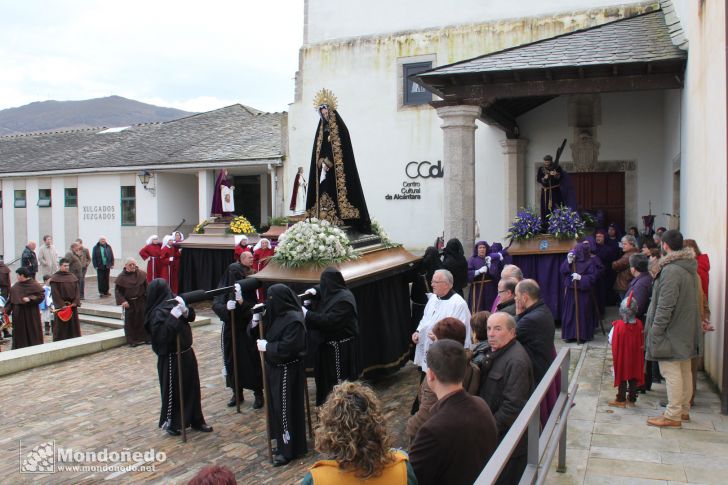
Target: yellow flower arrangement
240, 225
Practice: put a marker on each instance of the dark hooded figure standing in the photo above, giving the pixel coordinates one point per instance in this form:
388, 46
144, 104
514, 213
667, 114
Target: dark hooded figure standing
131, 293
4, 279
336, 319
285, 346
165, 320
334, 190
22, 304
249, 372
65, 292
453, 260
556, 188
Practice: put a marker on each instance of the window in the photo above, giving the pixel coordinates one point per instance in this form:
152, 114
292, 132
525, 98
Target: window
128, 205
414, 93
20, 199
70, 197
44, 197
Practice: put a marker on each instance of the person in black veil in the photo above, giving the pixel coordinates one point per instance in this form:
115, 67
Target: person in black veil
285, 346
334, 189
249, 372
164, 320
454, 261
336, 319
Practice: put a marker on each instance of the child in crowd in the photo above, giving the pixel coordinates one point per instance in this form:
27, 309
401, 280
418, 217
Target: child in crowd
46, 306
627, 339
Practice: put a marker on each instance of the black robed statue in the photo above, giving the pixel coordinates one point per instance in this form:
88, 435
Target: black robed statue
334, 189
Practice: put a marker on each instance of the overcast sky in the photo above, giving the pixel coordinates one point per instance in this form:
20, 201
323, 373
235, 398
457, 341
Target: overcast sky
195, 55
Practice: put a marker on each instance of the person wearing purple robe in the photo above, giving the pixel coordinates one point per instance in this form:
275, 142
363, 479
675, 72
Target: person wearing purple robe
556, 188
499, 258
607, 255
483, 287
580, 272
223, 179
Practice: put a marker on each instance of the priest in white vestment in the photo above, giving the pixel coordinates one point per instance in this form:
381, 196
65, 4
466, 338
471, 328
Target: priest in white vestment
443, 302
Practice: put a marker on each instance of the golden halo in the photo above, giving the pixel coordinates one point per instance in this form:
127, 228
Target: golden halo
325, 96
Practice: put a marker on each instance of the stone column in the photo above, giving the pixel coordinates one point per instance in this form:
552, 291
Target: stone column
204, 193
458, 126
514, 151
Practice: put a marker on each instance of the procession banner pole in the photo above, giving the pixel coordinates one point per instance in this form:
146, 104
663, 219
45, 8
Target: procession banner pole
308, 410
576, 302
235, 360
266, 395
181, 397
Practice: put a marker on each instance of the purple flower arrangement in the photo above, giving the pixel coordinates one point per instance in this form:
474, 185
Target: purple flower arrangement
565, 223
526, 225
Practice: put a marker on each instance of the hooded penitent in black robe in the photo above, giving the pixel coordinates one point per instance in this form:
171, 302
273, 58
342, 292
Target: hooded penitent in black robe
339, 198
336, 320
285, 332
132, 288
164, 328
249, 372
454, 261
65, 291
27, 329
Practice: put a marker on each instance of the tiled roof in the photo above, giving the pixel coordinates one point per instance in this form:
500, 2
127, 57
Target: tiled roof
232, 133
639, 39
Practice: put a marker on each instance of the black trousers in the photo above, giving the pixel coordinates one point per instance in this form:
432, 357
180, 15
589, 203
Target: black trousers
102, 278
622, 390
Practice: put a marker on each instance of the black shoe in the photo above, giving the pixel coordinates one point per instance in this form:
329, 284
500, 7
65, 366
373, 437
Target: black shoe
173, 432
280, 460
203, 427
258, 403
231, 403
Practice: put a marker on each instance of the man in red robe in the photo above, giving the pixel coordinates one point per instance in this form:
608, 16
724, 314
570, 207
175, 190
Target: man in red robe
151, 251
25, 295
627, 338
169, 263
66, 293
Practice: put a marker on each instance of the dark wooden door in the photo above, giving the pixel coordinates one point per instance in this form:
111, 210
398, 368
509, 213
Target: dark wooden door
601, 191
247, 198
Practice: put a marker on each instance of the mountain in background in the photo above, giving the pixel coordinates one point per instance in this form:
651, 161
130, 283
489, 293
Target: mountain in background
112, 111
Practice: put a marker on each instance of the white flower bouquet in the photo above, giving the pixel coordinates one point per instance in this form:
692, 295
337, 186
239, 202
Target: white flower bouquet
314, 242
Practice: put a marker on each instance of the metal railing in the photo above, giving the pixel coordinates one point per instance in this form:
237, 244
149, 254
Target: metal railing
542, 444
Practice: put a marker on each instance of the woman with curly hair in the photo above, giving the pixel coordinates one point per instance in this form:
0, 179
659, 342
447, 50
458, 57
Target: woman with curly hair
352, 431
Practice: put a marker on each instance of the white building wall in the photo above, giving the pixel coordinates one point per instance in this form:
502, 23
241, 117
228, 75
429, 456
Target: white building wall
177, 198
99, 210
9, 247
364, 74
329, 20
703, 172
32, 217
57, 212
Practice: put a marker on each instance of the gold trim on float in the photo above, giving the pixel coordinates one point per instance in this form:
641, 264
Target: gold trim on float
385, 366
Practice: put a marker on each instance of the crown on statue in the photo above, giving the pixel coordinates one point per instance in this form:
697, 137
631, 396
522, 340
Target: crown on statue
325, 96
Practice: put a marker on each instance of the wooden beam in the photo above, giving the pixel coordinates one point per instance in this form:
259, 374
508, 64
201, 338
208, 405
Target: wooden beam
501, 119
475, 92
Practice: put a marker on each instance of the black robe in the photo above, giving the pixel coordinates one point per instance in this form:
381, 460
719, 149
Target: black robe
132, 288
454, 261
65, 291
336, 320
285, 332
27, 329
164, 328
339, 199
4, 280
249, 371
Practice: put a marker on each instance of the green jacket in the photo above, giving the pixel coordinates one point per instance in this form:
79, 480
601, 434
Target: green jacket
673, 322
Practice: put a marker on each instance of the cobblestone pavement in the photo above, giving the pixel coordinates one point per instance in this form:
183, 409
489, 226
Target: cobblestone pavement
111, 400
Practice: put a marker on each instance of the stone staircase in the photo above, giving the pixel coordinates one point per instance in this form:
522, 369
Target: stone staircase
112, 316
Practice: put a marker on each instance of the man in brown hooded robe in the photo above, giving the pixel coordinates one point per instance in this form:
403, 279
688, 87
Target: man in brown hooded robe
25, 295
131, 294
65, 292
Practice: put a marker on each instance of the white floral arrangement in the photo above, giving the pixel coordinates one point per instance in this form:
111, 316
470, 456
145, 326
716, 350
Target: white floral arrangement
315, 242
378, 229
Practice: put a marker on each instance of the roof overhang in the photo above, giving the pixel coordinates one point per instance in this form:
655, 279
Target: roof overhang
509, 83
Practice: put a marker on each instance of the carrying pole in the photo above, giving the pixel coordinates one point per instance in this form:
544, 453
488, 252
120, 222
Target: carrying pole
183, 425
